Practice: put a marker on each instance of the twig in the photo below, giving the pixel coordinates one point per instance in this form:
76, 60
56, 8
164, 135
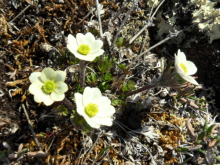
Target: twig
171, 35
92, 147
31, 128
149, 23
157, 8
99, 18
20, 13
140, 90
123, 22
82, 69
86, 16
144, 43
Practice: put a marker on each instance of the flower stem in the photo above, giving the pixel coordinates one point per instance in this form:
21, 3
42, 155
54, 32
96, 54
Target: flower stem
82, 69
141, 89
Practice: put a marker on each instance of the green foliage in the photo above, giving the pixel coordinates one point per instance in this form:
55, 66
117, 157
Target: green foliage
201, 135
129, 86
182, 149
209, 129
207, 133
78, 88
73, 114
104, 86
124, 68
117, 102
62, 110
103, 150
105, 65
202, 151
92, 79
107, 77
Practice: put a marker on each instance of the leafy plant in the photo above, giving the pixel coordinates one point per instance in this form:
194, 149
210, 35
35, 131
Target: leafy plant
92, 79
62, 110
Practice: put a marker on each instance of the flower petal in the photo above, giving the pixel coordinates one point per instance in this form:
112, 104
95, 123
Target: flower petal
82, 57
60, 87
80, 108
105, 107
48, 101
35, 87
91, 122
181, 56
104, 101
189, 79
91, 95
102, 120
191, 68
80, 39
96, 54
57, 97
89, 38
61, 75
35, 77
72, 42
177, 66
48, 74
105, 111
41, 96
95, 46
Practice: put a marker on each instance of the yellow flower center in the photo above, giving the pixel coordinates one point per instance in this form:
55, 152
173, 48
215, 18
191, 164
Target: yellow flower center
49, 86
183, 66
92, 109
84, 49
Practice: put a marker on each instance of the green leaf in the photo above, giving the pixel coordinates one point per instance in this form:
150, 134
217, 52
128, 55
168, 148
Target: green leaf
201, 135
108, 77
43, 135
63, 110
103, 150
104, 86
122, 66
117, 102
92, 79
131, 85
217, 157
210, 129
73, 114
182, 149
202, 151
124, 87
193, 98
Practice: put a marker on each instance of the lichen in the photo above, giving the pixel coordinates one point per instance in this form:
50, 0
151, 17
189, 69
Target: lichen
205, 11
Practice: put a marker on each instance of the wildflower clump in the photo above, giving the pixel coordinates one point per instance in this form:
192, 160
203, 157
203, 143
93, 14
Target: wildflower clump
48, 86
95, 108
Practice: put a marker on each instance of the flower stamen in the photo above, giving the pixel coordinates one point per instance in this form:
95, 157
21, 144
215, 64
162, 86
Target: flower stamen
183, 66
91, 109
84, 49
49, 86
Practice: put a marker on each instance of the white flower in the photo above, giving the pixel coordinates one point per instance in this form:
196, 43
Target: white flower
185, 68
48, 86
95, 108
85, 47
